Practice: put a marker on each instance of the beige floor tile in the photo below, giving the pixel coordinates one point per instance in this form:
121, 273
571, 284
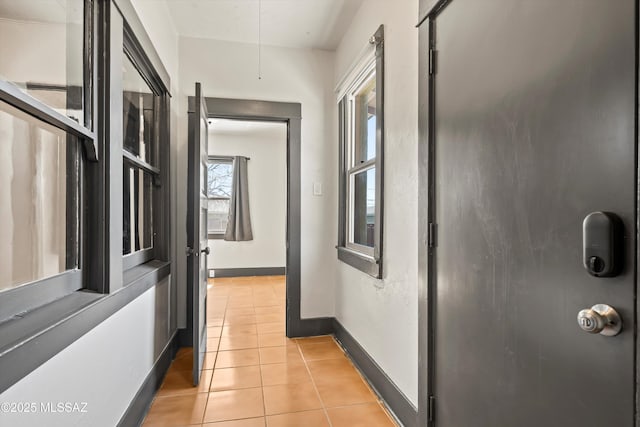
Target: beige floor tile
284, 373
248, 422
234, 358
240, 311
270, 317
271, 328
272, 340
183, 360
245, 319
315, 340
181, 382
214, 331
212, 344
321, 351
283, 354
368, 415
209, 360
171, 411
238, 342
215, 321
234, 404
236, 378
332, 370
281, 399
349, 391
299, 419
234, 330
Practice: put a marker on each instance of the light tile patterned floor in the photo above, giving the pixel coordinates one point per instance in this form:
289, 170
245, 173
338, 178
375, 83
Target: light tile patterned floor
256, 377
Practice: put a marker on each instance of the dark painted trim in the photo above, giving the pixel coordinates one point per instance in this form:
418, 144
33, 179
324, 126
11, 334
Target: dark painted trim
358, 261
289, 113
395, 400
32, 295
430, 8
140, 164
134, 26
244, 109
424, 171
137, 258
243, 272
311, 327
139, 406
31, 340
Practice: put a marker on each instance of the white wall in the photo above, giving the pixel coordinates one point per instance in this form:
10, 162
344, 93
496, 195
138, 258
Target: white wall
383, 314
230, 70
266, 146
104, 369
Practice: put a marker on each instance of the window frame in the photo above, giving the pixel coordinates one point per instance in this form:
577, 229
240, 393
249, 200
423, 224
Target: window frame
31, 337
82, 143
155, 167
364, 258
218, 159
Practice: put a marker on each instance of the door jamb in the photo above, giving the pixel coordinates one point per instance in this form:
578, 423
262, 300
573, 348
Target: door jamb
290, 114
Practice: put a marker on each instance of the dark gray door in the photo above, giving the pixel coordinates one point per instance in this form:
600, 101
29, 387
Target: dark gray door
533, 129
197, 229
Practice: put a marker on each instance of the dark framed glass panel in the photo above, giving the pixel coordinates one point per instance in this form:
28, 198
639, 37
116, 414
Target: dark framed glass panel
219, 187
364, 207
365, 122
139, 114
42, 52
39, 199
137, 204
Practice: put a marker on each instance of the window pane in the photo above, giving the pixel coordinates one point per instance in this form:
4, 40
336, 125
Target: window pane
137, 208
38, 199
139, 114
218, 216
364, 207
220, 177
365, 122
42, 51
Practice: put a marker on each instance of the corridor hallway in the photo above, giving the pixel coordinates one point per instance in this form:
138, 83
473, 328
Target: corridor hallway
256, 377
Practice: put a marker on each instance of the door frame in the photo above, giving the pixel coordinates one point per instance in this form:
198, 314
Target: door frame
290, 114
428, 11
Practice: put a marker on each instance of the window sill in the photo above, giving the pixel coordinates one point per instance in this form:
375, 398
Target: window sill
216, 236
31, 339
361, 262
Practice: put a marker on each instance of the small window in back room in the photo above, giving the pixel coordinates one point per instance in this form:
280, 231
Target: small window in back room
220, 179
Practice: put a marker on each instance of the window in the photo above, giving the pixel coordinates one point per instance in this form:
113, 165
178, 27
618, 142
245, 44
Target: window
361, 162
42, 52
219, 186
46, 147
38, 199
139, 141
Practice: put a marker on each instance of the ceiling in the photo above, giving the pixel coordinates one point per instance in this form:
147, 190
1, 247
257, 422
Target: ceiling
55, 11
316, 24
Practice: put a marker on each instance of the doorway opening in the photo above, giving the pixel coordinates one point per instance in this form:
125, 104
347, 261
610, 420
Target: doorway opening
253, 194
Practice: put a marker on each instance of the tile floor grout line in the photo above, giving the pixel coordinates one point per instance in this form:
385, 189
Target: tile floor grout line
315, 387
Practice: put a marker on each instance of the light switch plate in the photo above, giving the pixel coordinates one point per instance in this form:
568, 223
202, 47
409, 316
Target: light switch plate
317, 189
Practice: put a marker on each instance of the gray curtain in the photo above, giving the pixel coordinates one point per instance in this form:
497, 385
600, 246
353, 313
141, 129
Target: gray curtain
239, 225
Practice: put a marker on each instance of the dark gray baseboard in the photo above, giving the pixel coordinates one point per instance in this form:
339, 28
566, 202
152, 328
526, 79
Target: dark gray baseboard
311, 327
139, 406
396, 401
241, 272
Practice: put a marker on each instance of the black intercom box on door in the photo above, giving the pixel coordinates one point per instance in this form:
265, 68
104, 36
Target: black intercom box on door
602, 235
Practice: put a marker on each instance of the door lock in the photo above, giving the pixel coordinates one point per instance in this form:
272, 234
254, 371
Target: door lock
600, 319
